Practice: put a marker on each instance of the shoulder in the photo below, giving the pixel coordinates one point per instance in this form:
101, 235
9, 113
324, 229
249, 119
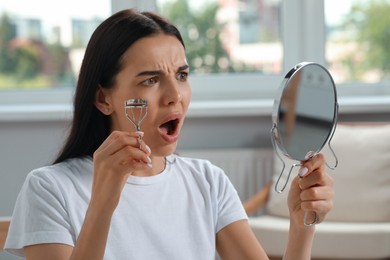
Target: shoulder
60, 173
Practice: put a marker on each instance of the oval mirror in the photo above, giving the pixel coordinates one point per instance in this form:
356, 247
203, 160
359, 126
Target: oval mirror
304, 116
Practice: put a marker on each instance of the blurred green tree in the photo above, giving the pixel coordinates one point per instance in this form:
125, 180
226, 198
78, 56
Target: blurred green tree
7, 33
27, 62
369, 23
201, 33
60, 66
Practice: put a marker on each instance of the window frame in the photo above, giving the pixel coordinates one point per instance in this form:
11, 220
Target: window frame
303, 37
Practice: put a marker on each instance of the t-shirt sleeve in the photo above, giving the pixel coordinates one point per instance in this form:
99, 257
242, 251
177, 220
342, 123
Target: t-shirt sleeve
39, 215
229, 205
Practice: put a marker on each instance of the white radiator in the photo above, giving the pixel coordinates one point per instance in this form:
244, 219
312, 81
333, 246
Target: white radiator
248, 169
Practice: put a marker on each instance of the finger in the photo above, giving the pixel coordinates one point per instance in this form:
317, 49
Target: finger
130, 155
121, 150
121, 139
321, 207
142, 145
309, 166
117, 140
111, 138
316, 178
317, 193
110, 144
146, 149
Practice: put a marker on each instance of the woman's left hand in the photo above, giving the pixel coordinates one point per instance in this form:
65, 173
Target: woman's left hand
311, 190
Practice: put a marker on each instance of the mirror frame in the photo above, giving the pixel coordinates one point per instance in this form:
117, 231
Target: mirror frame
276, 137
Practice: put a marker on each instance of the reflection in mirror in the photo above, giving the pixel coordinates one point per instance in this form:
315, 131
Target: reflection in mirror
304, 116
307, 112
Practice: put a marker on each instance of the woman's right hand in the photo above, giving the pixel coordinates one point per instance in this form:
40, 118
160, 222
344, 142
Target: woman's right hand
117, 158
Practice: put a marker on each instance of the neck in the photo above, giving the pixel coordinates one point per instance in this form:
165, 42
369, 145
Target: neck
158, 166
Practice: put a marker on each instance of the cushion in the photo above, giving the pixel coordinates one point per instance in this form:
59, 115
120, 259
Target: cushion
362, 178
333, 240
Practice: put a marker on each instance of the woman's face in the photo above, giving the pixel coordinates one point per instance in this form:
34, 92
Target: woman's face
154, 68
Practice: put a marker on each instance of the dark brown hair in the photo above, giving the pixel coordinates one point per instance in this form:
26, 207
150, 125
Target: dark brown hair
102, 62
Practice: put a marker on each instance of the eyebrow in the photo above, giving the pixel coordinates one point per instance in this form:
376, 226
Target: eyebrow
157, 72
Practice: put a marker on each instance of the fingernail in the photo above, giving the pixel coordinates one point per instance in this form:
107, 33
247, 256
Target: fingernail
303, 171
148, 149
149, 164
140, 133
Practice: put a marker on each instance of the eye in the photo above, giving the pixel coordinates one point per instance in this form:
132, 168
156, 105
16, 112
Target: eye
182, 76
150, 81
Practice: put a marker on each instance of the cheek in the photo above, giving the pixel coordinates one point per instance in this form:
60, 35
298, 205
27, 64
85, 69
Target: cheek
189, 92
187, 95
150, 115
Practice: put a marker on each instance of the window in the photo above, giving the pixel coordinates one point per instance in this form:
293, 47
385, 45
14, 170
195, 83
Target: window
237, 49
358, 39
357, 50
42, 47
221, 36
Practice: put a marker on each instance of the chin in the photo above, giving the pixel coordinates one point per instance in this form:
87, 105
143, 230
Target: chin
164, 151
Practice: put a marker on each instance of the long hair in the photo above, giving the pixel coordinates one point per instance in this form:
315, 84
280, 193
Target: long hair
102, 62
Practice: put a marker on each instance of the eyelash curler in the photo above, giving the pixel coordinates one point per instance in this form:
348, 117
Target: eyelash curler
136, 111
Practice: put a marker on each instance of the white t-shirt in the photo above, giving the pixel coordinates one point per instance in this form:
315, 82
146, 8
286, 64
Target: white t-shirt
173, 215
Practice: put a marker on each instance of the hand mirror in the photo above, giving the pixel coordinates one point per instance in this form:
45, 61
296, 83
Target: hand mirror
304, 117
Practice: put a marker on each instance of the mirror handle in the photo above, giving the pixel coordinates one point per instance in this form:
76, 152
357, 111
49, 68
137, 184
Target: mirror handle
288, 178
336, 115
312, 223
335, 157
273, 139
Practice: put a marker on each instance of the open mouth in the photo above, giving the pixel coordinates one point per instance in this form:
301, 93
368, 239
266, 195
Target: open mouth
169, 127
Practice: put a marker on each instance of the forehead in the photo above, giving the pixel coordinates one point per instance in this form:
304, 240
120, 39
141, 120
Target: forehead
155, 51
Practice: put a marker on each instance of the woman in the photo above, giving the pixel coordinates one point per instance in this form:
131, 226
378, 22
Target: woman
109, 196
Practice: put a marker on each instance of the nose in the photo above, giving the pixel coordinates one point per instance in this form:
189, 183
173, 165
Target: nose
172, 94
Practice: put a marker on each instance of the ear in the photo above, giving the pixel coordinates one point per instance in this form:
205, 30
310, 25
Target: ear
102, 101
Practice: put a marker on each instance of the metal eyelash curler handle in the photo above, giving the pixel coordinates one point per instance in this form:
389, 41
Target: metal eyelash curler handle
136, 111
